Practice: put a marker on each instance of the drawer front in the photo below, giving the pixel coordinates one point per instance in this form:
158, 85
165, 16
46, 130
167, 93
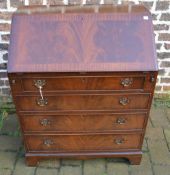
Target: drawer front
60, 143
83, 83
83, 102
84, 122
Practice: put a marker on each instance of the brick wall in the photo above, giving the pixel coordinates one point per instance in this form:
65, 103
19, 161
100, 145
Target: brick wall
161, 19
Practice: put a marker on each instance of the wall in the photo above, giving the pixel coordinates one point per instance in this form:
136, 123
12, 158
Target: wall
161, 19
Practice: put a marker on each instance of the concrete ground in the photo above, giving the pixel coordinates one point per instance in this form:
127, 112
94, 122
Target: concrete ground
155, 161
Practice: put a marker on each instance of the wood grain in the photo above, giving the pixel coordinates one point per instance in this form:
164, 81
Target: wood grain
73, 102
83, 122
73, 143
73, 42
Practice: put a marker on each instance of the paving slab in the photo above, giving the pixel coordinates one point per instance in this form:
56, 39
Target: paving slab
144, 146
45, 171
117, 168
154, 134
5, 172
159, 118
53, 163
167, 110
161, 170
167, 134
71, 162
10, 125
22, 169
159, 152
144, 168
94, 167
70, 170
7, 160
149, 124
9, 143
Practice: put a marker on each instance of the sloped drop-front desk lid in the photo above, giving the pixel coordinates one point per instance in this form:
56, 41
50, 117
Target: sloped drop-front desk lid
88, 39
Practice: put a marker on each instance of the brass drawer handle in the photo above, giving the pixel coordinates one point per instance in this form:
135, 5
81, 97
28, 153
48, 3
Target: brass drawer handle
121, 121
45, 122
119, 141
126, 82
124, 101
39, 83
42, 102
48, 142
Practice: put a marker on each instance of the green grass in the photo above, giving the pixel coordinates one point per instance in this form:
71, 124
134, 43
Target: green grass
6, 107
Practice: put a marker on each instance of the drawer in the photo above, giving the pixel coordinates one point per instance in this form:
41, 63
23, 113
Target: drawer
83, 102
89, 142
82, 122
76, 83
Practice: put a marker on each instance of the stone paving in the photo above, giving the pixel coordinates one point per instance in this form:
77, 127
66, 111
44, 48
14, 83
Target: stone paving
155, 161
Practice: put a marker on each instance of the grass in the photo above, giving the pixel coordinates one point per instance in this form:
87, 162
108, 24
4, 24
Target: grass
6, 107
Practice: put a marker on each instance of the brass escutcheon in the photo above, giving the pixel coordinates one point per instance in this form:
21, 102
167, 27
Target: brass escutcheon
124, 101
119, 141
121, 121
48, 142
45, 122
39, 83
126, 82
42, 102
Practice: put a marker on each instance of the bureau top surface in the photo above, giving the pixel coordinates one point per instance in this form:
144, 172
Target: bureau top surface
88, 39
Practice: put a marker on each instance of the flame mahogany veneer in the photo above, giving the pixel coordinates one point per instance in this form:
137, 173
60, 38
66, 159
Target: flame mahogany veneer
82, 80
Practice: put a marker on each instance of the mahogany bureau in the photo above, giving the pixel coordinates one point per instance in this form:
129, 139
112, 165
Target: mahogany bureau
82, 80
